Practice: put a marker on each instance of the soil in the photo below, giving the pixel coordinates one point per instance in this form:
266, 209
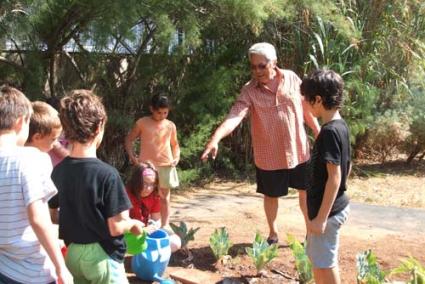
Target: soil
237, 207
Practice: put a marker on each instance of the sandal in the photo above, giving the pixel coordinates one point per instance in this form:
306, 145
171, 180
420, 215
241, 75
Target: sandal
271, 241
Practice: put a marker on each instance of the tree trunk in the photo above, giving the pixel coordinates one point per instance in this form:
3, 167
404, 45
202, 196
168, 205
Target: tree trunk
413, 154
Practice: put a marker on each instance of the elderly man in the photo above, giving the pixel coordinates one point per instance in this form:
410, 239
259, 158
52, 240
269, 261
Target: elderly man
277, 114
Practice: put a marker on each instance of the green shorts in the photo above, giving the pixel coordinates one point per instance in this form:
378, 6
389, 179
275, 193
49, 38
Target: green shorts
168, 177
90, 264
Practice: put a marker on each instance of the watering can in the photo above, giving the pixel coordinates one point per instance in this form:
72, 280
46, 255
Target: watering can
151, 264
135, 244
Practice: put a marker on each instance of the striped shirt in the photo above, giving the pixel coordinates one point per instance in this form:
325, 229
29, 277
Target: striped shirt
24, 178
277, 122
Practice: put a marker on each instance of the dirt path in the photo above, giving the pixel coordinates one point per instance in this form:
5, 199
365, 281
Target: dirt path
392, 233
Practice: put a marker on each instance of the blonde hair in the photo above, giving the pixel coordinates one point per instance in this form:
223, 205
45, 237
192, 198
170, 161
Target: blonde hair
263, 48
43, 120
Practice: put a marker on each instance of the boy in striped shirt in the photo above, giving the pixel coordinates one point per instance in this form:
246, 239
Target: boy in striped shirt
29, 252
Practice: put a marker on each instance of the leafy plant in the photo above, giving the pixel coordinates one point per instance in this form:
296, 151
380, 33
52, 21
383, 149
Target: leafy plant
368, 271
302, 263
220, 243
261, 252
186, 235
412, 266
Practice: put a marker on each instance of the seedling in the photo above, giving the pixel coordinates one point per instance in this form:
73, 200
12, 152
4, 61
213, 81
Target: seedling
261, 252
412, 266
185, 235
302, 263
220, 243
368, 271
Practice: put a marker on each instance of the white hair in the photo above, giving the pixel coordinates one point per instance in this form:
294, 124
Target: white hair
263, 48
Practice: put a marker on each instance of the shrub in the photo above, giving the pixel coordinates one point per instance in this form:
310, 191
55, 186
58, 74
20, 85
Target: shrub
386, 135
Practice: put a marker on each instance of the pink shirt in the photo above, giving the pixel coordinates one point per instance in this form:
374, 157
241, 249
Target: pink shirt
277, 122
155, 140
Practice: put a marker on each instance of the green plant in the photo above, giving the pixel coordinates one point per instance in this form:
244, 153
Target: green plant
302, 263
261, 252
368, 271
186, 235
220, 243
412, 266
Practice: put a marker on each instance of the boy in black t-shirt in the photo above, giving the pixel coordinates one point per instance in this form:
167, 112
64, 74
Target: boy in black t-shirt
94, 207
327, 203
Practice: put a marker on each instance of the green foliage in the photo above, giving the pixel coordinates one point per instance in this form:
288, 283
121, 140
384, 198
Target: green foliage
196, 52
261, 252
368, 271
186, 235
220, 242
414, 268
302, 263
415, 143
386, 135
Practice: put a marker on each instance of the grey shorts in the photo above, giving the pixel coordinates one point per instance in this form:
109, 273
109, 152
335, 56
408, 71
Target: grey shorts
323, 249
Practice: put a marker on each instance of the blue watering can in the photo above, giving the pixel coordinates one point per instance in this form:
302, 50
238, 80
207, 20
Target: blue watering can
151, 264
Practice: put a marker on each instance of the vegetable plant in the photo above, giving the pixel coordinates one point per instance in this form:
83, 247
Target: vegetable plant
368, 271
261, 252
186, 235
302, 263
412, 266
220, 243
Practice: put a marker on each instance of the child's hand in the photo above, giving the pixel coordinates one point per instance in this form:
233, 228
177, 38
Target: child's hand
317, 226
175, 162
64, 276
149, 229
137, 228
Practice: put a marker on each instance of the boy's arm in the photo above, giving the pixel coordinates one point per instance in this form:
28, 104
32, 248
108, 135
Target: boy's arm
175, 148
121, 223
39, 218
129, 140
318, 224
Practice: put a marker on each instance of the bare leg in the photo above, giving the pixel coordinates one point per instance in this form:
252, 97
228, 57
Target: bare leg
164, 194
271, 205
326, 275
302, 199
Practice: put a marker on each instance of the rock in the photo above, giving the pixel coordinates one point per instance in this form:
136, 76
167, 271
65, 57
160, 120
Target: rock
193, 276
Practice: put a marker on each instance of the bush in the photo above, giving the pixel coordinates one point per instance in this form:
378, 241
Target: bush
386, 136
415, 143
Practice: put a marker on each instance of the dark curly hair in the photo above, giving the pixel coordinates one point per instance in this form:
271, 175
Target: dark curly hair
324, 83
81, 114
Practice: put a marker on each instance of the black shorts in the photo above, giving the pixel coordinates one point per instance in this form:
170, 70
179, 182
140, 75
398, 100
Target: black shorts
275, 183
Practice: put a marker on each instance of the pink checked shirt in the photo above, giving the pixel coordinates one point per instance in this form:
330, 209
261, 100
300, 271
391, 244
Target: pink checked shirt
277, 122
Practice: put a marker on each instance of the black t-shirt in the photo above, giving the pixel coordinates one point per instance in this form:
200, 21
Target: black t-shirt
89, 192
331, 146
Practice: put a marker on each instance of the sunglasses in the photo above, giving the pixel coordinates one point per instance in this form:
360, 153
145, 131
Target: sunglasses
260, 66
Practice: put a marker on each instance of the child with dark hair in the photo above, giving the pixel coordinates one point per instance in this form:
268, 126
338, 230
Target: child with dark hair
327, 203
142, 189
29, 250
159, 145
94, 207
